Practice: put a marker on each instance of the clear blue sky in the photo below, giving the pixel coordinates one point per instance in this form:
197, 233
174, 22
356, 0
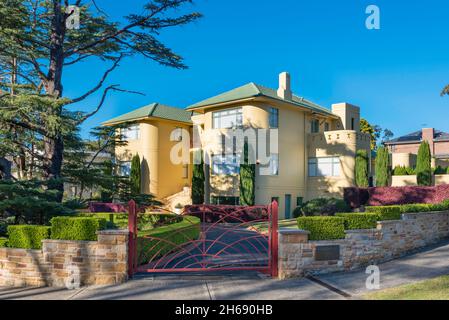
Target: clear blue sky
394, 74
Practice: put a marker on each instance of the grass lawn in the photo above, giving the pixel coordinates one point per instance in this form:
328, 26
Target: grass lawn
434, 289
286, 223
177, 233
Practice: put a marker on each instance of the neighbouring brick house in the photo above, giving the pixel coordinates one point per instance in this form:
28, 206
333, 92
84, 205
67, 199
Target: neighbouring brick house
404, 149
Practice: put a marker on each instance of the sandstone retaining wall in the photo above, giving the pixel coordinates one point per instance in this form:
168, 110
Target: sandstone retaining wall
63, 263
391, 239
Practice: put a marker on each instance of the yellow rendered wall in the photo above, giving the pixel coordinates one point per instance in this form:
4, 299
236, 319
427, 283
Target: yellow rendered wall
159, 176
341, 143
291, 179
171, 179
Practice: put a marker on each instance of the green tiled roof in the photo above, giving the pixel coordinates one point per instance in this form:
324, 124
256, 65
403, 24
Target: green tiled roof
156, 110
254, 90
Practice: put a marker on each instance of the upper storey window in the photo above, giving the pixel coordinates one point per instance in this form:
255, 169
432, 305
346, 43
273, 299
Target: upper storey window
227, 119
131, 133
315, 126
274, 118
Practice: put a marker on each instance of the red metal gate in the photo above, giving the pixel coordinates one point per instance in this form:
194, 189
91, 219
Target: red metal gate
210, 238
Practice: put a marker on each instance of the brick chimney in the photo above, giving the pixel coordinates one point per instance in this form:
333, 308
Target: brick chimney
284, 90
427, 135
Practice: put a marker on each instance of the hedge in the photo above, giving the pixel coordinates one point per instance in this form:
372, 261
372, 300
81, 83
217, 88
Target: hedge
354, 221
76, 228
323, 228
156, 243
425, 207
27, 236
3, 242
386, 212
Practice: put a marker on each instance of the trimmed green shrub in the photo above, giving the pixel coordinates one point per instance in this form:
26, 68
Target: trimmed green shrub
423, 165
425, 207
410, 171
361, 169
27, 236
386, 212
134, 177
156, 243
400, 171
355, 221
198, 178
382, 167
247, 178
297, 212
418, 207
324, 207
440, 170
3, 242
323, 228
76, 228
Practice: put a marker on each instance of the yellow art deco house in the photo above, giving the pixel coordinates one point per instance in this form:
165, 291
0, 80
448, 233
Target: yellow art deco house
315, 156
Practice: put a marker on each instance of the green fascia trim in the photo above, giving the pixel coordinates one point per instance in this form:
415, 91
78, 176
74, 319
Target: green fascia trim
155, 110
252, 90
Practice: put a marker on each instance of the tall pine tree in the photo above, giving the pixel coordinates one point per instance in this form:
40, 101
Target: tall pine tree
37, 47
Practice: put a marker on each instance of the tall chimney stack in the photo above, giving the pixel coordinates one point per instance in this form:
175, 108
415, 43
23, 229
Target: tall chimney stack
284, 90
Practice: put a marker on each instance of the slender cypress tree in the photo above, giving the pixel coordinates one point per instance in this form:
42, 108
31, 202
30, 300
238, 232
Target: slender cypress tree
382, 170
361, 169
247, 179
423, 165
198, 179
135, 176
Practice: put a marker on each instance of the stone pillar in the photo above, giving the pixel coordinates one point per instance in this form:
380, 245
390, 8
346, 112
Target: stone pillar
293, 248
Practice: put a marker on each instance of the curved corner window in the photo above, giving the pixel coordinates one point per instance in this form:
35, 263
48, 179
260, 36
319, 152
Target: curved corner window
227, 119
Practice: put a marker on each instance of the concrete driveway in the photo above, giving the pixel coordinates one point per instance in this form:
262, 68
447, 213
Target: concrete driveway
222, 245
429, 263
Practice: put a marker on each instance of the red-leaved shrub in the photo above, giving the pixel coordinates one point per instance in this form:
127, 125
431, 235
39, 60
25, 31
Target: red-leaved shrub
385, 196
106, 207
226, 213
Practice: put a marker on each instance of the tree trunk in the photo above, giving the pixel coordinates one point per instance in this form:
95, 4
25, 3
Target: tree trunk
54, 146
53, 164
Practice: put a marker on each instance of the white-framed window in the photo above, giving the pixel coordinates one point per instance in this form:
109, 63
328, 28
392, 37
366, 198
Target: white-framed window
274, 164
315, 126
324, 167
225, 164
131, 133
227, 119
274, 118
125, 168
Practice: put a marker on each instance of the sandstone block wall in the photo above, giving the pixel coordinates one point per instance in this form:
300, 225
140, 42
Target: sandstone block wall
391, 239
63, 263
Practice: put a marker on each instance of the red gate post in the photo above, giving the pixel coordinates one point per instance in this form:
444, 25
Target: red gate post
274, 239
132, 245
